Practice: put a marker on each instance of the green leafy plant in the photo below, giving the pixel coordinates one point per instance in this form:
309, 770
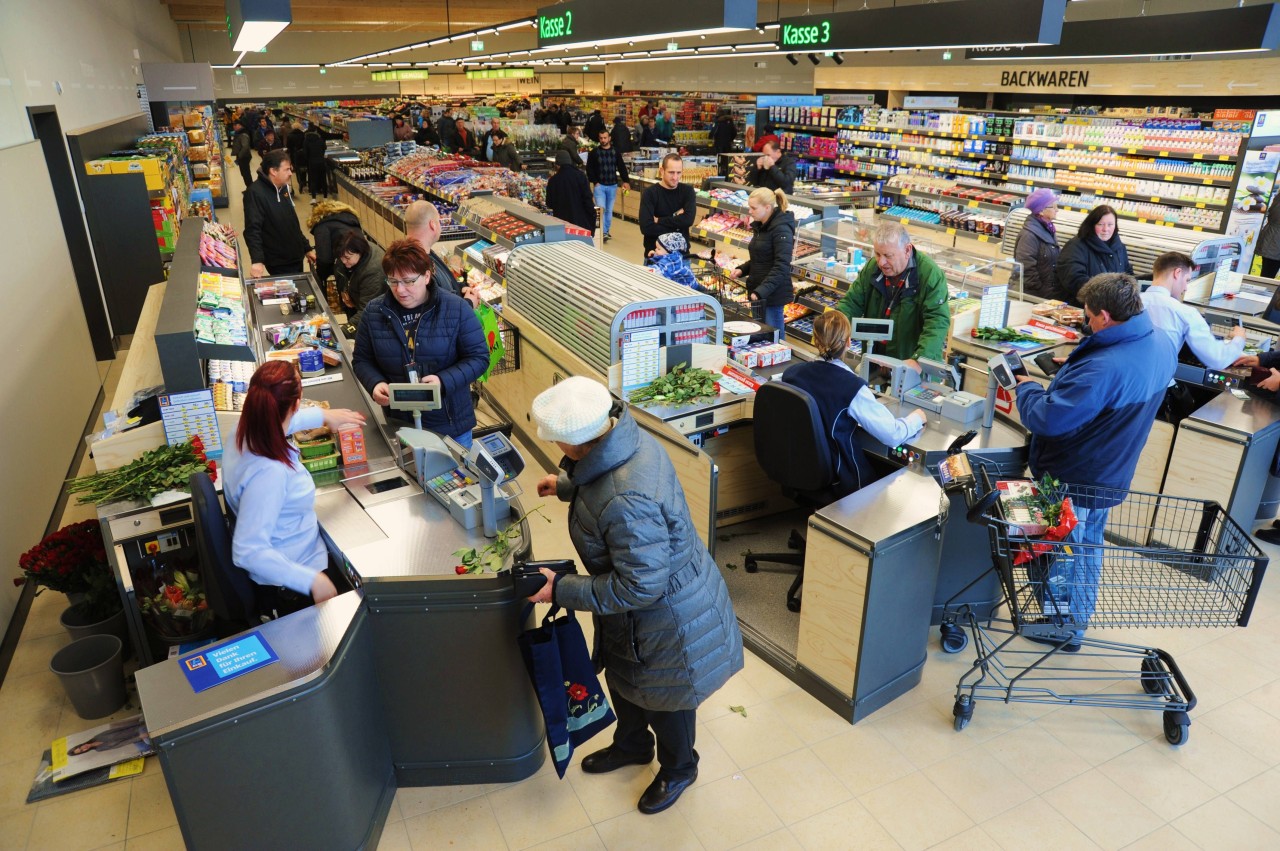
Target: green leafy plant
678, 387
159, 470
492, 557
1002, 335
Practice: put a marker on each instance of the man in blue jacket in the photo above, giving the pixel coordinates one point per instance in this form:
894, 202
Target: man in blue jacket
1088, 429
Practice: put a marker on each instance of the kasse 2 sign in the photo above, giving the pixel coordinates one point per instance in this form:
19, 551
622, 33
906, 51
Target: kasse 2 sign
1044, 79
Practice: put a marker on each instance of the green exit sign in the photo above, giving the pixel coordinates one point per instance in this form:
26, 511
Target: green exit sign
806, 35
555, 26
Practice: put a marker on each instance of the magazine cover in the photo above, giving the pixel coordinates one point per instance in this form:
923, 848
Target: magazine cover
99, 747
44, 785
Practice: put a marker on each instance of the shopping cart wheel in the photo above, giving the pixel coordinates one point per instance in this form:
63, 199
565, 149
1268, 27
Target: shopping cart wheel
1153, 678
1177, 728
749, 564
954, 638
962, 712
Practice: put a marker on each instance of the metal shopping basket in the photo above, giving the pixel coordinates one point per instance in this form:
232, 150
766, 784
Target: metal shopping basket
1162, 561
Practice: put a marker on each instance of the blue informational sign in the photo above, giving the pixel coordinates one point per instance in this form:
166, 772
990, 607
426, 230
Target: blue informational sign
766, 101
227, 661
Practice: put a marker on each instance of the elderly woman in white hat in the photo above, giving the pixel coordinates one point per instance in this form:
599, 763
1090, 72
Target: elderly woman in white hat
666, 633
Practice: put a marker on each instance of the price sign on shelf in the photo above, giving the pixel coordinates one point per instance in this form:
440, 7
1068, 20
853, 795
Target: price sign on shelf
187, 414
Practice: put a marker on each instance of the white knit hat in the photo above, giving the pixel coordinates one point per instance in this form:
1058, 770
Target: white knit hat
575, 411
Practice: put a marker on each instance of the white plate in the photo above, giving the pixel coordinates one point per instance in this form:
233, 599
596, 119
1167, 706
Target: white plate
741, 327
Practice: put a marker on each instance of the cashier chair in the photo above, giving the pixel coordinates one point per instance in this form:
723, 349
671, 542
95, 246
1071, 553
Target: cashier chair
792, 448
232, 595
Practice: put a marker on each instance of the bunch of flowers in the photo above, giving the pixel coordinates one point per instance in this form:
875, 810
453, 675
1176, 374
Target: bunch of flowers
162, 469
178, 609
73, 560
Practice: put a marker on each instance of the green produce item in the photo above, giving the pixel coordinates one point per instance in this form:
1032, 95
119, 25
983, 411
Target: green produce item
1003, 335
678, 387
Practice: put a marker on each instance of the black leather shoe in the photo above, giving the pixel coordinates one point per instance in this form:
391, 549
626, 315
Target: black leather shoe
609, 759
1271, 536
662, 793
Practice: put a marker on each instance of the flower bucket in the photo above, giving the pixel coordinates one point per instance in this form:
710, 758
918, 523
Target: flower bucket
92, 673
77, 624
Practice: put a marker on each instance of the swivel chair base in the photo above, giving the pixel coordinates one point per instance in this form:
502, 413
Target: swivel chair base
796, 542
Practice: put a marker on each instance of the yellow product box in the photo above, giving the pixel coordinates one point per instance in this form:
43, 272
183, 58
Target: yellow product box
98, 167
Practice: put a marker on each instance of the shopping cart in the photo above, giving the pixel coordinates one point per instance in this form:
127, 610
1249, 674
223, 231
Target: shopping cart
1163, 561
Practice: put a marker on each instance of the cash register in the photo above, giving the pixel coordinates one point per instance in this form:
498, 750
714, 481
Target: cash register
939, 392
477, 483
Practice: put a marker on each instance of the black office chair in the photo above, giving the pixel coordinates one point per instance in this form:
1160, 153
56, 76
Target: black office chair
793, 450
232, 595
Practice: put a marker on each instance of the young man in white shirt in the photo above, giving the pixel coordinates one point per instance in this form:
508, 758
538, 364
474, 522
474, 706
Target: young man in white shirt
1182, 323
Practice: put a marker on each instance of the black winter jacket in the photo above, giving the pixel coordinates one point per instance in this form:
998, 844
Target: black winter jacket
449, 343
507, 155
362, 283
767, 271
296, 143
242, 147
781, 175
313, 146
1037, 250
723, 135
664, 204
1085, 256
622, 142
569, 197
326, 233
271, 228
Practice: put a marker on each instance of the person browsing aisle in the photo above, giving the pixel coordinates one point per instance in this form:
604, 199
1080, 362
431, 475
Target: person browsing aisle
767, 271
606, 171
667, 206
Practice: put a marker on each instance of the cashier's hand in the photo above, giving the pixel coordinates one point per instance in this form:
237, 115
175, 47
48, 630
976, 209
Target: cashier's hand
336, 418
1238, 333
257, 270
920, 415
544, 593
1271, 382
382, 393
322, 588
547, 485
1247, 360
914, 364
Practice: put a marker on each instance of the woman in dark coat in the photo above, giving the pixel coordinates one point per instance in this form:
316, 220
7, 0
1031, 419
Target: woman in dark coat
1037, 247
622, 141
329, 222
317, 169
1096, 248
569, 194
358, 273
768, 268
665, 628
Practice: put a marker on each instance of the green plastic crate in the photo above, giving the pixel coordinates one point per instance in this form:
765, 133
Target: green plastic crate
317, 448
325, 462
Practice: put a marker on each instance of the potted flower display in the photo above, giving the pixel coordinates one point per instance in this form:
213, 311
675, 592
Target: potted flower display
178, 610
73, 560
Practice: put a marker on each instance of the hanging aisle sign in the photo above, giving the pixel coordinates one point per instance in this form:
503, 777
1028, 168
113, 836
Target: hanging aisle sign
1044, 79
580, 23
959, 23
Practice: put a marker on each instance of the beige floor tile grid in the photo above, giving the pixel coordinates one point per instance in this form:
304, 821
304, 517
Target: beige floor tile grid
789, 773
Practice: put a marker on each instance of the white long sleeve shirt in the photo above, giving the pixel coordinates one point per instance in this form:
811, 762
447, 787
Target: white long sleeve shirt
277, 537
875, 418
1182, 323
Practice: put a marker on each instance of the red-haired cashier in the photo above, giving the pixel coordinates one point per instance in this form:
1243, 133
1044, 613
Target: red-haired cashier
277, 535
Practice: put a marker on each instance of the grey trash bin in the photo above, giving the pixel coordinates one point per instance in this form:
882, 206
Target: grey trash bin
92, 672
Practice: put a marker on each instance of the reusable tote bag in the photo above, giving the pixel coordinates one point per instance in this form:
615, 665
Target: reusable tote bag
572, 700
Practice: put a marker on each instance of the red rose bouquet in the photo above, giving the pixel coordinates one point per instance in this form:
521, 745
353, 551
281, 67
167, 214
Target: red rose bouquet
73, 560
162, 469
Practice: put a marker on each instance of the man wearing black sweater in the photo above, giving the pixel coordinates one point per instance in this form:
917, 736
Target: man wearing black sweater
668, 206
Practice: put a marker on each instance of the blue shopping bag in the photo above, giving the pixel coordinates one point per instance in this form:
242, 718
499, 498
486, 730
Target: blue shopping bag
573, 703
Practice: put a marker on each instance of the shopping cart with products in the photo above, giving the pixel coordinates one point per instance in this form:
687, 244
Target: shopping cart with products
1073, 558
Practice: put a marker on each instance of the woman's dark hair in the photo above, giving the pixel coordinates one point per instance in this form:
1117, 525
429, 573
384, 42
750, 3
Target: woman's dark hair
352, 241
273, 391
1095, 215
406, 255
272, 160
499, 134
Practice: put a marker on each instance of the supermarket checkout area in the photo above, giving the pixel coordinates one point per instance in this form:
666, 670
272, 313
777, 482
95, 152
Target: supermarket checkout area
297, 732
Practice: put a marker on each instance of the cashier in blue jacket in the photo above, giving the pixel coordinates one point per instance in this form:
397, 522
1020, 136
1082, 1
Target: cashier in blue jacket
419, 325
846, 402
277, 537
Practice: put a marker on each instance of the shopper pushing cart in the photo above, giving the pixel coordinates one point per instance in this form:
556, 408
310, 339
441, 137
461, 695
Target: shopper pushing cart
1162, 562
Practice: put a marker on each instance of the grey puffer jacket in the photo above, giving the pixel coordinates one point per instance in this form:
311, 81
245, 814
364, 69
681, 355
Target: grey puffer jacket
1037, 250
666, 632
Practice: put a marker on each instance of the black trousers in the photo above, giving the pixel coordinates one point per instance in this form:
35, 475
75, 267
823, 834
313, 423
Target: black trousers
318, 178
675, 733
246, 172
1270, 267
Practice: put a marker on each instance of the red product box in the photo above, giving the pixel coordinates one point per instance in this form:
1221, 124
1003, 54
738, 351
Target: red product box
351, 445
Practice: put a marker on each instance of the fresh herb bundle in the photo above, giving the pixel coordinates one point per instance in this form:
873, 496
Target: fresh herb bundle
678, 387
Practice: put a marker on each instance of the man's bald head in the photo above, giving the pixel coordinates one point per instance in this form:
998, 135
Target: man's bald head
422, 223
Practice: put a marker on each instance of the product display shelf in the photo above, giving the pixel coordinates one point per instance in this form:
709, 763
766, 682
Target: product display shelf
1106, 193
474, 212
182, 356
845, 168
940, 228
1191, 180
587, 300
936, 197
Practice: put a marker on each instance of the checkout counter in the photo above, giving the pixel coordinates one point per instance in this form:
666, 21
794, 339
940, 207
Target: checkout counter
307, 751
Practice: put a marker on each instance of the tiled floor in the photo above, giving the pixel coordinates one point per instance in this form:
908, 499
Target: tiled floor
790, 773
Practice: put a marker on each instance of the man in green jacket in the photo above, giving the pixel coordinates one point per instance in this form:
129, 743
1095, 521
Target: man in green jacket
906, 286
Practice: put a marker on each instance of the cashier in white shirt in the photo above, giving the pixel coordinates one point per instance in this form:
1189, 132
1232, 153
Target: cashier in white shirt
277, 537
1182, 323
845, 402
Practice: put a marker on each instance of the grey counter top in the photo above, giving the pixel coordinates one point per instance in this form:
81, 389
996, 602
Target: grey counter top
306, 641
1246, 416
889, 507
940, 432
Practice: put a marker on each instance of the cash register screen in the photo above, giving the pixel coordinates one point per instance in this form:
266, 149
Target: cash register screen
493, 443
423, 395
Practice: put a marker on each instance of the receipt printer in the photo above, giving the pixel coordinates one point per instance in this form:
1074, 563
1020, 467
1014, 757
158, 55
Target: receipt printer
938, 393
